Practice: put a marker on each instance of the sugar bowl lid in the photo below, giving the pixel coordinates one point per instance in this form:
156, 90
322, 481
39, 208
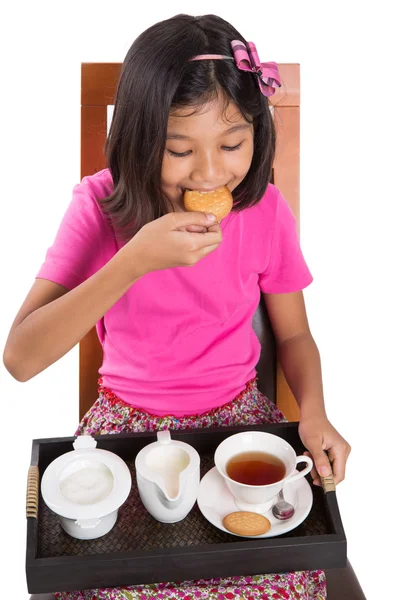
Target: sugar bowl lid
86, 483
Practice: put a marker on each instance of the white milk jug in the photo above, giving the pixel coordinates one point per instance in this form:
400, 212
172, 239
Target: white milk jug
168, 476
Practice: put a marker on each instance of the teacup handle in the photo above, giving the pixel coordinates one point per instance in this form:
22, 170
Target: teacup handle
302, 473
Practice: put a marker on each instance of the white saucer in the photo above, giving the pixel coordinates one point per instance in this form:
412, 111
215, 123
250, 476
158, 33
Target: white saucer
215, 501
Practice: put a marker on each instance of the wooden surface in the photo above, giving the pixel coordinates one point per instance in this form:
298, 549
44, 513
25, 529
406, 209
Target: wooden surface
98, 88
286, 170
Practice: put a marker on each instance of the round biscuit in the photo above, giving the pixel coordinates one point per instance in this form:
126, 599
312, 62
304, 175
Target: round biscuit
246, 523
219, 202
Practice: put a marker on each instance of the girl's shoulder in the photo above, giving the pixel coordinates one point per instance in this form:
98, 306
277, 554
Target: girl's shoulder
85, 210
88, 193
271, 206
99, 185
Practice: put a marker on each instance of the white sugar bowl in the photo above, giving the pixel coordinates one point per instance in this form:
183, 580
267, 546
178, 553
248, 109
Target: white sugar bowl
85, 488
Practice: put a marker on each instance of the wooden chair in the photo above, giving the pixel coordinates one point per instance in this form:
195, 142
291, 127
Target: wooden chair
98, 89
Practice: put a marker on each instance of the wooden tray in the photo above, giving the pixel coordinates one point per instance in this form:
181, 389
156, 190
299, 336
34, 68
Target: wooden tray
141, 550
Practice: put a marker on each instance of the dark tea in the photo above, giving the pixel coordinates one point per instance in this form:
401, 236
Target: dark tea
255, 468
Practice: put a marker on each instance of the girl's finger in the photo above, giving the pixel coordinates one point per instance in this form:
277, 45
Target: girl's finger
319, 456
193, 229
338, 461
209, 249
196, 229
314, 475
207, 239
215, 228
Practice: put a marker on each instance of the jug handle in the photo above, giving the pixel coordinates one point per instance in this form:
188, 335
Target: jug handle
163, 437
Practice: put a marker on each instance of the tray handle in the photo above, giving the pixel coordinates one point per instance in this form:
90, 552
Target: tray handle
32, 492
328, 484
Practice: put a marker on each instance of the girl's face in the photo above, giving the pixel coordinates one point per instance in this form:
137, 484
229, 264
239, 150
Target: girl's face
206, 150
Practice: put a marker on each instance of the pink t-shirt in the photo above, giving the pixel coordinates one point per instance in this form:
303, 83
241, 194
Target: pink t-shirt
180, 341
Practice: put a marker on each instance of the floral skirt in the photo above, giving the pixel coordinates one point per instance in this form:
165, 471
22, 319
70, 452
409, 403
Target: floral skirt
109, 414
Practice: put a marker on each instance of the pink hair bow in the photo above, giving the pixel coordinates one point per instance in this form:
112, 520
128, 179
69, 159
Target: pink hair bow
247, 59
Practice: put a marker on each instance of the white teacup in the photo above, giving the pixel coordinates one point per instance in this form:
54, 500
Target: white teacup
258, 498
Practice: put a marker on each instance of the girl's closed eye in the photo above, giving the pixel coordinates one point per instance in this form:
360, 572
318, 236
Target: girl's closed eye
183, 154
232, 148
178, 154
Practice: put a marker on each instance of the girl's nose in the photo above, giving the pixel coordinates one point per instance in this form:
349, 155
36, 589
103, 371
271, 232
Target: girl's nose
208, 169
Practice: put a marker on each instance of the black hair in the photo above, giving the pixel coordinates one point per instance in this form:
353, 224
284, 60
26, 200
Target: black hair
157, 77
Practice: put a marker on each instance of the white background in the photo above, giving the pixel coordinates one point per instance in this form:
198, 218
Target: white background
359, 131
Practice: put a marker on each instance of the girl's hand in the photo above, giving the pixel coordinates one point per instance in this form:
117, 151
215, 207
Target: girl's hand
174, 240
318, 436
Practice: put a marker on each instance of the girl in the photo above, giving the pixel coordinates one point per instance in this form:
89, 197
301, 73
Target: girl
173, 293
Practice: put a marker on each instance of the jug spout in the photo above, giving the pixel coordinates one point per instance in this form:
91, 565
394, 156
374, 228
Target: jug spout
170, 462
170, 491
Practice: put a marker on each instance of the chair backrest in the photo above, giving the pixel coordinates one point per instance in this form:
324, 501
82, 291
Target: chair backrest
98, 89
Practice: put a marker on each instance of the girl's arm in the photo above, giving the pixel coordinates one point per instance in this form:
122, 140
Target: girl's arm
300, 362
52, 320
297, 351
